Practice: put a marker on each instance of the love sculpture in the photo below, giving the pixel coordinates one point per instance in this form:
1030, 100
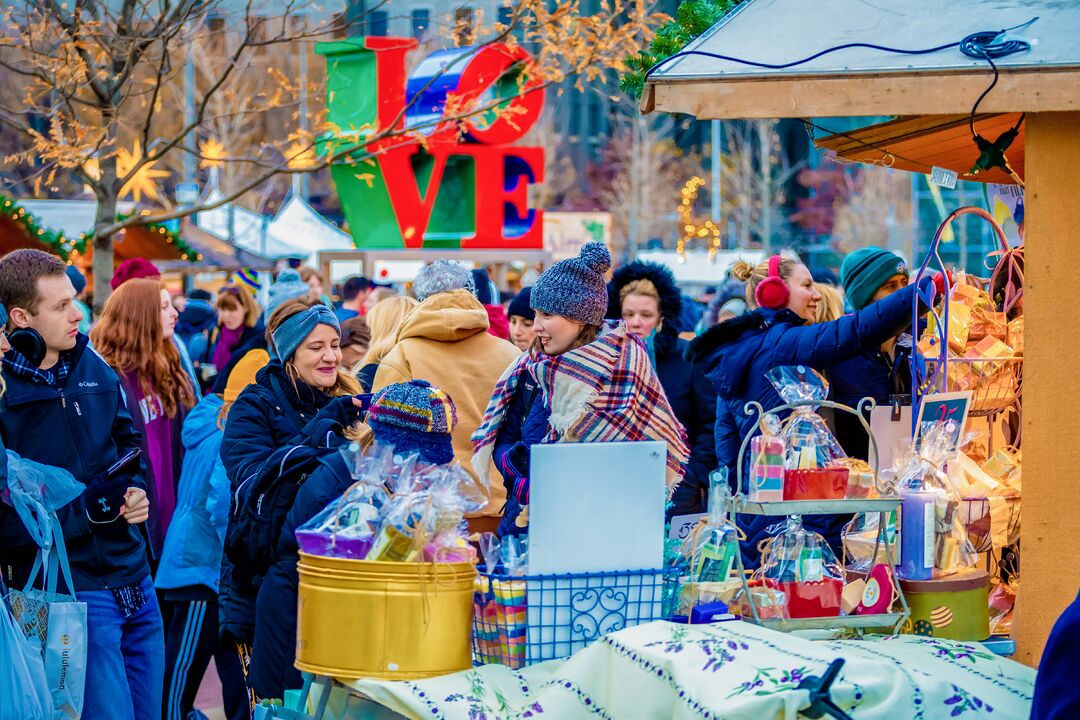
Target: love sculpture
446, 183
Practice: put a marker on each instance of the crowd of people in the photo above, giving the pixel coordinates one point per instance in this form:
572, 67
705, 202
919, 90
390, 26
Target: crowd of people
170, 410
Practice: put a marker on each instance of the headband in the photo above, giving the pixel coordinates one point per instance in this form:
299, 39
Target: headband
294, 330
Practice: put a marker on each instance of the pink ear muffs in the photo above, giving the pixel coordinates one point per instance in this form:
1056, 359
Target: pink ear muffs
772, 292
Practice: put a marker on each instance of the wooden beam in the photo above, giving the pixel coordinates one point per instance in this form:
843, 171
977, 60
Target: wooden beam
1051, 553
923, 93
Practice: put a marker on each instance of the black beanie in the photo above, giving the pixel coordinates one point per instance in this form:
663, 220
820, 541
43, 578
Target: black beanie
520, 305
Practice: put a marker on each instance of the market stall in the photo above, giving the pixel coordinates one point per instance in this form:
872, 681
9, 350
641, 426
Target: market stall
942, 84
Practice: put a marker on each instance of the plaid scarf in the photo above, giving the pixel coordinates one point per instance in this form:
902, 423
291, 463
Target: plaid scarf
53, 377
606, 391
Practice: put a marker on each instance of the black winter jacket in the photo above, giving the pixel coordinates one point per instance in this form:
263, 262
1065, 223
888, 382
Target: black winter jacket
693, 399
689, 391
272, 670
82, 426
267, 420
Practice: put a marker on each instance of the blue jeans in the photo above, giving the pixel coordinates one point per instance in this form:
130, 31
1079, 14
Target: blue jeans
125, 660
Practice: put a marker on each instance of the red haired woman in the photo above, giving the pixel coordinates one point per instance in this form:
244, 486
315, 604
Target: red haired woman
134, 335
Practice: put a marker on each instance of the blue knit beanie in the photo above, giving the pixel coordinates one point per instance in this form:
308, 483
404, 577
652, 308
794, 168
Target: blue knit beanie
291, 333
575, 288
415, 415
486, 291
288, 286
864, 271
78, 280
520, 304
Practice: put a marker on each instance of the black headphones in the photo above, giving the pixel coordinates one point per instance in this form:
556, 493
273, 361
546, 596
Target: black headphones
28, 343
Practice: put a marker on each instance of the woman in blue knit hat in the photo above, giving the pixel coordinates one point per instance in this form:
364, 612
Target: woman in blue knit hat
295, 412
583, 380
868, 275
414, 416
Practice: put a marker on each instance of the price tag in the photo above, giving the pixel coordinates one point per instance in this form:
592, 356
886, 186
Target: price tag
944, 177
682, 525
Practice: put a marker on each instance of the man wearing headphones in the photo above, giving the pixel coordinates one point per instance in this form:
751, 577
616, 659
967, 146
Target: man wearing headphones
63, 407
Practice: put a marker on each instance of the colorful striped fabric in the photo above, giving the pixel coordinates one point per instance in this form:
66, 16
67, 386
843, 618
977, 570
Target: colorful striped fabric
606, 391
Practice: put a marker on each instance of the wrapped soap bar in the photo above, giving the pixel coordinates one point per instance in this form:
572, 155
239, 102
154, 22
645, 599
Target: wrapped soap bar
712, 547
989, 348
1016, 335
860, 478
767, 463
966, 294
987, 323
1003, 463
959, 325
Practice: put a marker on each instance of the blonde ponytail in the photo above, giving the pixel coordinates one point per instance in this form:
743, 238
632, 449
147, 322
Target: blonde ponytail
754, 274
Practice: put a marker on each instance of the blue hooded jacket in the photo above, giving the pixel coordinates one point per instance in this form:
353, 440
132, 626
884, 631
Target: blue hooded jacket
736, 354
192, 552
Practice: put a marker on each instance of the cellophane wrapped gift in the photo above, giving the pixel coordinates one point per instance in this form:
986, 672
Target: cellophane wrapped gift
346, 527
398, 509
767, 463
710, 553
811, 451
924, 483
863, 548
799, 563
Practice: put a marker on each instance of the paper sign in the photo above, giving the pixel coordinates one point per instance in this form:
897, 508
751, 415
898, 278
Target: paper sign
593, 508
681, 525
892, 432
596, 507
944, 407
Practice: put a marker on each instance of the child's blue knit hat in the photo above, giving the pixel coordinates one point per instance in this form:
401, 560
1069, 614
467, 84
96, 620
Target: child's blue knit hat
415, 416
575, 288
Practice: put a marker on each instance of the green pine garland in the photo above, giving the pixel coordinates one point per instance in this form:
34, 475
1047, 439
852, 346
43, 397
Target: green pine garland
55, 241
691, 19
63, 246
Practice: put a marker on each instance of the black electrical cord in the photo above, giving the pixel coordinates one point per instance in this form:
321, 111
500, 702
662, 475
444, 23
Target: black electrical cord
980, 45
985, 46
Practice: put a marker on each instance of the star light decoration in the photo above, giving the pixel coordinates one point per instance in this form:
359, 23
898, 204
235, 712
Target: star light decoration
144, 181
692, 229
213, 154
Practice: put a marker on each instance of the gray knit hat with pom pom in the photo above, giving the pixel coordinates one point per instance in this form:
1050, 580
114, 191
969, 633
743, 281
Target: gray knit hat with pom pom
575, 288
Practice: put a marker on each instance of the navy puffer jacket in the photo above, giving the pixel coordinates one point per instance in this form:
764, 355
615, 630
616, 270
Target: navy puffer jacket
736, 354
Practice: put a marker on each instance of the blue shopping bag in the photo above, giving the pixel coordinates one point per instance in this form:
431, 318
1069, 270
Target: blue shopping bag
56, 624
22, 673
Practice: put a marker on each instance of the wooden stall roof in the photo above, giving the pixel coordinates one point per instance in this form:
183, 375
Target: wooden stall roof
216, 253
919, 143
865, 81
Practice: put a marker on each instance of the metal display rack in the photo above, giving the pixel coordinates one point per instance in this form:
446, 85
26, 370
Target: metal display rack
1001, 377
883, 505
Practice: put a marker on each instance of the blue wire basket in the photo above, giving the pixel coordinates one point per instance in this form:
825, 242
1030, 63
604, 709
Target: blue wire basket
521, 620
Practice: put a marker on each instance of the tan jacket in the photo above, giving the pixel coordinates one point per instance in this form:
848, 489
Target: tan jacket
445, 341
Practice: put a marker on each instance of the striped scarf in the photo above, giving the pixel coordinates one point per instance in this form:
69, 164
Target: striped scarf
606, 391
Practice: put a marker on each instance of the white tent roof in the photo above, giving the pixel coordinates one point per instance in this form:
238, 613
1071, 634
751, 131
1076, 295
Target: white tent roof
298, 224
297, 231
250, 230
696, 269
